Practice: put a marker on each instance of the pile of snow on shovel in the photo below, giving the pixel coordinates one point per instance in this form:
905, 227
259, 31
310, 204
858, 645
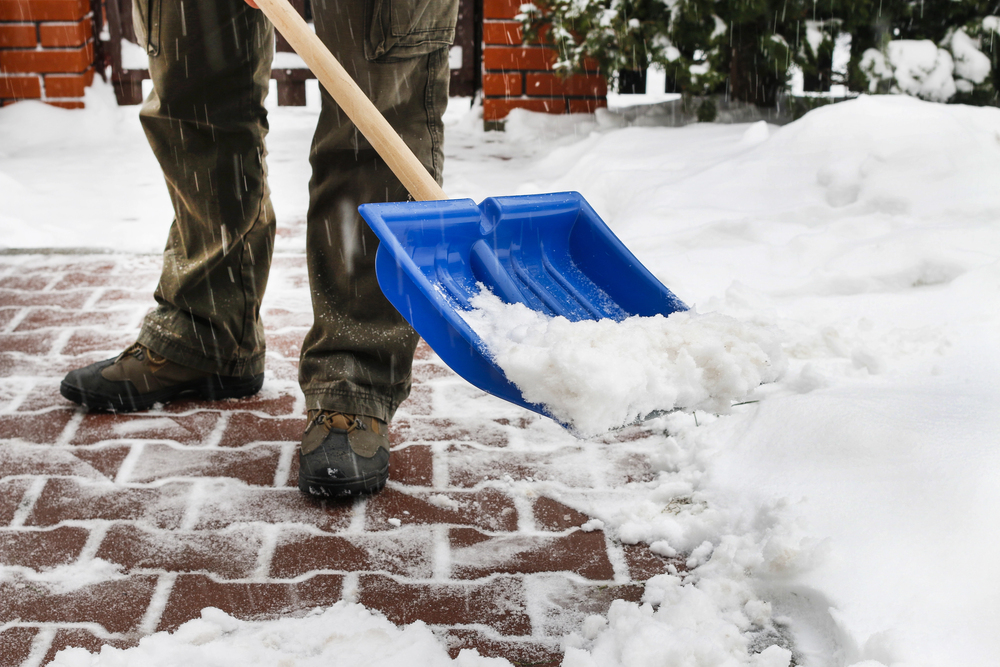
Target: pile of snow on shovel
596, 375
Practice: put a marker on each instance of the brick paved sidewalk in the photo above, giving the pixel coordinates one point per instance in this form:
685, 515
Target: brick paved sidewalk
197, 504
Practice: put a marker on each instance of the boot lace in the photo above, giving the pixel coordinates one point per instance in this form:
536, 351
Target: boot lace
325, 419
143, 353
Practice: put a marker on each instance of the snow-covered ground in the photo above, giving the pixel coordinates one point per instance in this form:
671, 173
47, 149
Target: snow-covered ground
847, 511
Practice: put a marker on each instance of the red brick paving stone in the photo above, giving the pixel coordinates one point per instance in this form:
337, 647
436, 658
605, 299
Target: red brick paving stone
227, 503
424, 352
420, 401
114, 298
521, 423
44, 395
489, 509
413, 465
69, 499
43, 427
84, 341
291, 261
11, 493
254, 465
293, 474
15, 645
278, 318
406, 552
26, 459
476, 555
643, 564
519, 652
498, 603
105, 459
6, 315
34, 342
282, 405
10, 391
468, 466
38, 549
118, 606
191, 403
72, 300
245, 428
249, 601
553, 515
80, 638
228, 554
191, 429
562, 603
287, 344
29, 282
17, 364
629, 468
45, 318
429, 370
435, 430
635, 433
88, 278
286, 370
52, 264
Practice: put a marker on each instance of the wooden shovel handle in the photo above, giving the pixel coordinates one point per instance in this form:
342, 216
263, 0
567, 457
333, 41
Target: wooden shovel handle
352, 101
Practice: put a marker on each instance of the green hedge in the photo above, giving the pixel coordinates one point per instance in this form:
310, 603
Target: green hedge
946, 50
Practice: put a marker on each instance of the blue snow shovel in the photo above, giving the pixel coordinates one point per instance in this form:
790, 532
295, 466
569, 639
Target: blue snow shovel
550, 252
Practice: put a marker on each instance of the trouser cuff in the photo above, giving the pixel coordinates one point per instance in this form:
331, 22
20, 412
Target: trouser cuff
201, 357
353, 399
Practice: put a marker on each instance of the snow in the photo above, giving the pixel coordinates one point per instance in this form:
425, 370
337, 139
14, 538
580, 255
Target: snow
343, 634
133, 56
648, 364
970, 63
815, 36
845, 516
63, 579
288, 60
923, 69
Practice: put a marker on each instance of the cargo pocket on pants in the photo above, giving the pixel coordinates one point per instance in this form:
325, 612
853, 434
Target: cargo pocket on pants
402, 29
146, 23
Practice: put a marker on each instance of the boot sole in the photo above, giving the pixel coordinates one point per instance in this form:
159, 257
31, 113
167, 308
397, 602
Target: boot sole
324, 487
212, 388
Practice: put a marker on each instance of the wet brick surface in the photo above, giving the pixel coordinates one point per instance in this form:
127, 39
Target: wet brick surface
194, 504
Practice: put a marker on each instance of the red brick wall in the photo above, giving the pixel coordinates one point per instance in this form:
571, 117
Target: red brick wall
518, 75
46, 51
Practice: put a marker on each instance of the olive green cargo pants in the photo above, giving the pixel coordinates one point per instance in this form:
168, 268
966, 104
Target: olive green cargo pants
210, 63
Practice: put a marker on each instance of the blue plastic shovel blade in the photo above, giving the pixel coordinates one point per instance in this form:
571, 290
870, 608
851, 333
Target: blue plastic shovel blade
551, 252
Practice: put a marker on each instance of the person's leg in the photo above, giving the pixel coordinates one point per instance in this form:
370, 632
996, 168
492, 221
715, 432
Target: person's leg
210, 64
356, 359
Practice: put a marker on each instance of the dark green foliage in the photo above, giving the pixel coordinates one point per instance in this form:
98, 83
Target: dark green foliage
744, 48
708, 110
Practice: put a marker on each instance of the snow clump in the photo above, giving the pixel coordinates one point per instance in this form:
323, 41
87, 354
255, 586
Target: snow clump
597, 375
926, 70
344, 634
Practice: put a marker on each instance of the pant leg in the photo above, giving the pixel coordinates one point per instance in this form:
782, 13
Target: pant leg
358, 354
210, 62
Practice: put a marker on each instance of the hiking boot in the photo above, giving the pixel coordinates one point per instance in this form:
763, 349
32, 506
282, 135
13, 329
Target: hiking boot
138, 378
343, 455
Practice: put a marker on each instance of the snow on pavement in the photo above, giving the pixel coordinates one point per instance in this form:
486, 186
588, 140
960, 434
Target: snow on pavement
847, 514
342, 634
